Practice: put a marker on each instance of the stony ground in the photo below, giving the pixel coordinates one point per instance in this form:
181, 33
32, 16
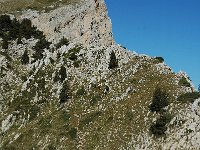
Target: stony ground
104, 108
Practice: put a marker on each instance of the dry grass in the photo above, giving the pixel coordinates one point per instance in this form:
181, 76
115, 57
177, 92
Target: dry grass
7, 6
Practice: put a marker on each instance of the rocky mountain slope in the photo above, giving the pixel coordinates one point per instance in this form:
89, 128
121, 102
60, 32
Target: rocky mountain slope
65, 84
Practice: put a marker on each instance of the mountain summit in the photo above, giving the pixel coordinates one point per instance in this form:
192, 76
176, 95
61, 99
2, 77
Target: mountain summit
65, 84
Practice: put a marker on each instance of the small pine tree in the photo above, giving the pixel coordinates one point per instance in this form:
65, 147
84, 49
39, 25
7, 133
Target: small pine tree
19, 40
65, 93
62, 73
14, 31
73, 133
159, 100
42, 44
159, 127
26, 28
5, 43
25, 58
5, 22
113, 61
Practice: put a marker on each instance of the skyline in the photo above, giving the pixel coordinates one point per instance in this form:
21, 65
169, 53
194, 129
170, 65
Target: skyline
169, 29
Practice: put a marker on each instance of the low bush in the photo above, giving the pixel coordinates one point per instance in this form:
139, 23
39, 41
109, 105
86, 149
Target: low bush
159, 127
62, 73
65, 116
73, 133
183, 82
113, 61
5, 22
160, 100
25, 58
160, 59
73, 56
188, 97
62, 42
65, 93
5, 43
95, 99
42, 44
81, 91
13, 29
34, 110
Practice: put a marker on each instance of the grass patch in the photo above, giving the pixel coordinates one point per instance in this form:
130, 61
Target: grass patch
183, 82
91, 117
13, 5
189, 97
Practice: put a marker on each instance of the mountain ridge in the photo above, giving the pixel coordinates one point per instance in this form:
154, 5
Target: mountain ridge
59, 90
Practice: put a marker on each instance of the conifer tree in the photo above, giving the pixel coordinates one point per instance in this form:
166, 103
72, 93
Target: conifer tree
5, 22
159, 100
19, 40
25, 58
5, 43
65, 93
62, 73
113, 61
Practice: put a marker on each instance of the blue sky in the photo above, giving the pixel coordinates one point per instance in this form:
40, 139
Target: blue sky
167, 28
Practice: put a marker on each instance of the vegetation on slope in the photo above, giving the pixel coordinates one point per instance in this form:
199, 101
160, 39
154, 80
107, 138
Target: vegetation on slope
63, 102
13, 5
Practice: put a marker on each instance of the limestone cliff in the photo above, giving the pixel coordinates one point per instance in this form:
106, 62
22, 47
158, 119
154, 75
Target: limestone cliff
85, 22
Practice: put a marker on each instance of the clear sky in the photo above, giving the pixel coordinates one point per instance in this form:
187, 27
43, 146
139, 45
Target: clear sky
167, 28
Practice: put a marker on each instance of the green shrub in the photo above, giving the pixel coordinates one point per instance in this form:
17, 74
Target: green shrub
34, 110
188, 97
5, 43
160, 59
26, 28
62, 73
19, 40
41, 84
76, 63
160, 100
51, 147
13, 29
95, 99
14, 32
38, 55
39, 48
159, 127
81, 91
73, 56
5, 22
42, 44
113, 61
62, 42
25, 58
65, 93
65, 116
73, 133
183, 82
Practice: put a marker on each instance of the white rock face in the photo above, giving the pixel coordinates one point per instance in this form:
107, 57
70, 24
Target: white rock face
86, 22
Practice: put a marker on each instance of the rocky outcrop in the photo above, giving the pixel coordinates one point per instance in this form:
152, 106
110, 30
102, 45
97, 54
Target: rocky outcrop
70, 99
85, 22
